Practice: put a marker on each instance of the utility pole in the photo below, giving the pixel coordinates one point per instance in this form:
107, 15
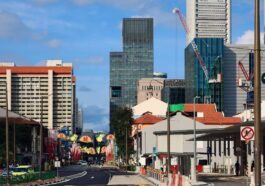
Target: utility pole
168, 142
126, 145
41, 120
257, 95
7, 136
14, 142
137, 146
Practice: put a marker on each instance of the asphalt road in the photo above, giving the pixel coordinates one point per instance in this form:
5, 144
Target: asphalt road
95, 175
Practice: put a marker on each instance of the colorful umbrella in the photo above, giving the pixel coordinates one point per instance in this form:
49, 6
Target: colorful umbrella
86, 139
61, 136
103, 149
110, 137
100, 138
73, 138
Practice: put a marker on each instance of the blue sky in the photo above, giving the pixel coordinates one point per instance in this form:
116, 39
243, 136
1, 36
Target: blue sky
85, 31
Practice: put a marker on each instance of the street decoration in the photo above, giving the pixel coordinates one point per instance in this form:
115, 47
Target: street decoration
110, 137
98, 150
110, 151
84, 149
61, 136
86, 139
100, 137
103, 149
73, 138
91, 150
75, 151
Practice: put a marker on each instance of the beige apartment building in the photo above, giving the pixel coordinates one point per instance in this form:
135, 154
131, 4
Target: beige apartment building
27, 86
148, 88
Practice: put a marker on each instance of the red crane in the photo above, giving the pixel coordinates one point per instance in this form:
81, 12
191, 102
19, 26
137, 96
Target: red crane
193, 44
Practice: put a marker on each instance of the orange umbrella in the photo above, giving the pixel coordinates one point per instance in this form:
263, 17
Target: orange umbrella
85, 139
61, 136
103, 149
110, 137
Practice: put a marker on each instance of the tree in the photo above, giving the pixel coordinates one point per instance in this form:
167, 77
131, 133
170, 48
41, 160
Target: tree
120, 120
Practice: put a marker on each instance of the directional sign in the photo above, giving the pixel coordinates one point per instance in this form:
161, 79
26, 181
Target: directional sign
247, 133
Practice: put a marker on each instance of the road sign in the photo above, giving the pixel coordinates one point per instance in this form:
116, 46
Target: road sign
57, 164
247, 133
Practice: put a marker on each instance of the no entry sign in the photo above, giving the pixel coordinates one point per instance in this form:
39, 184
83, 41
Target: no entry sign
247, 133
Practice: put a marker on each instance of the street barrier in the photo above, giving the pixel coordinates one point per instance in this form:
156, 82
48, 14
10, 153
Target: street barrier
156, 174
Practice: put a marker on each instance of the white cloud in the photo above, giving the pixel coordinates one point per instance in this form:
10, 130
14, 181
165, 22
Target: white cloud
95, 60
54, 43
13, 28
144, 8
248, 37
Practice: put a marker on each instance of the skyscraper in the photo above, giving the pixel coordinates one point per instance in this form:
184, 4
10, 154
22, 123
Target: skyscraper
209, 19
211, 90
134, 63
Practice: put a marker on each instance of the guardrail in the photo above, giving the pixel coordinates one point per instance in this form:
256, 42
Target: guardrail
156, 174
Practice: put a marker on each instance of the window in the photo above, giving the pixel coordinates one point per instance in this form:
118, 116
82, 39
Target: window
115, 92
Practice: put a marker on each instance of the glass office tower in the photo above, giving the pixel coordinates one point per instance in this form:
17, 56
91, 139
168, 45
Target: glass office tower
210, 91
134, 63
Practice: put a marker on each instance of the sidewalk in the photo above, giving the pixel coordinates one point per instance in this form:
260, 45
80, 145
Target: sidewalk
128, 180
154, 181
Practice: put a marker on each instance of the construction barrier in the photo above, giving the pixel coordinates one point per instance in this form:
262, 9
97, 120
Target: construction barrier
179, 180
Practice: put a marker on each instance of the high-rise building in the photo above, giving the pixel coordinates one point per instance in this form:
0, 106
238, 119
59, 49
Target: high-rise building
133, 63
211, 90
174, 91
27, 86
235, 98
209, 19
148, 88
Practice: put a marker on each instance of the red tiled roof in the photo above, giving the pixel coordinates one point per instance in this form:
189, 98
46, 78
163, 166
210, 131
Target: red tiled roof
219, 121
148, 119
30, 70
210, 115
209, 110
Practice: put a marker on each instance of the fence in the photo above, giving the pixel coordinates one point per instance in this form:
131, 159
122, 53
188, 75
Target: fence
30, 177
156, 174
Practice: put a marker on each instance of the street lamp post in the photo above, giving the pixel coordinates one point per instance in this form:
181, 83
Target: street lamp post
194, 176
257, 95
40, 154
168, 142
7, 136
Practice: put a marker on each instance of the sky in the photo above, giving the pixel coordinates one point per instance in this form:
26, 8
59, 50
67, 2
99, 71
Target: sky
83, 32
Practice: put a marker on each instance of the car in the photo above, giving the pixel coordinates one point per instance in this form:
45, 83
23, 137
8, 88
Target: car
82, 162
22, 170
4, 172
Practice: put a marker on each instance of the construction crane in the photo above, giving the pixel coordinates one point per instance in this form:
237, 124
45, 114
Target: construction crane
195, 48
246, 84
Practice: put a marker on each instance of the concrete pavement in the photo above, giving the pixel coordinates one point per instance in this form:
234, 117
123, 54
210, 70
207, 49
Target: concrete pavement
128, 180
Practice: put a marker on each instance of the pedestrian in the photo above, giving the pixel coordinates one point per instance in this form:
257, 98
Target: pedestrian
252, 166
237, 166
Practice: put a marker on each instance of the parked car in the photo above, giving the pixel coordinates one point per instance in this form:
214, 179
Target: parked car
4, 172
22, 170
81, 162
